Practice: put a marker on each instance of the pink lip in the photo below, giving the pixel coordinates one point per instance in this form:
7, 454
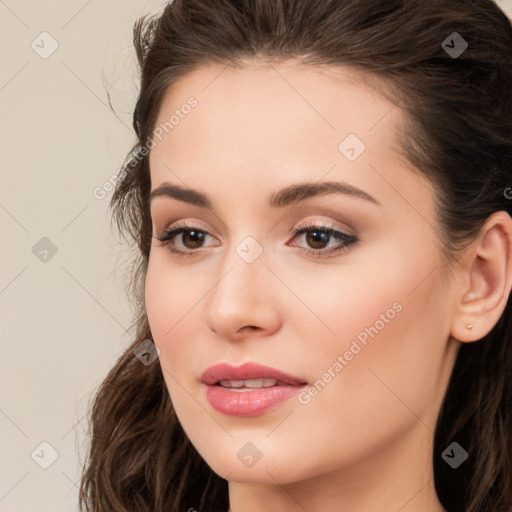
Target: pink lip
248, 403
246, 371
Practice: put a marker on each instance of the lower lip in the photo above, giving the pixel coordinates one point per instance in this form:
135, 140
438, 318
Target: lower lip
248, 403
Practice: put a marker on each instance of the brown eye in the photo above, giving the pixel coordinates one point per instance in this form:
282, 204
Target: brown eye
192, 238
318, 237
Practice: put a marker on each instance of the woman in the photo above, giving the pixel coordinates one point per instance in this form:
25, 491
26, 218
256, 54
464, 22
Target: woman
321, 195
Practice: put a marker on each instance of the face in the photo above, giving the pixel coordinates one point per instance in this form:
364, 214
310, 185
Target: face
340, 287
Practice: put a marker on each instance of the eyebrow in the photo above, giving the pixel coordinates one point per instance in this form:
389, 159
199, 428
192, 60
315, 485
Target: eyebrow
284, 197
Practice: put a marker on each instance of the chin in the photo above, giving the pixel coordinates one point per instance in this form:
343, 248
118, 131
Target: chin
264, 471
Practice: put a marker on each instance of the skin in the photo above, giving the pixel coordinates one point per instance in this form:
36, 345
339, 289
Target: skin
364, 442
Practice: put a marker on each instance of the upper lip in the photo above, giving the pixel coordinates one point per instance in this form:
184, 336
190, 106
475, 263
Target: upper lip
225, 371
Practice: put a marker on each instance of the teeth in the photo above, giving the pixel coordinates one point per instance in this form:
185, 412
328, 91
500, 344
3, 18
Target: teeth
259, 383
250, 383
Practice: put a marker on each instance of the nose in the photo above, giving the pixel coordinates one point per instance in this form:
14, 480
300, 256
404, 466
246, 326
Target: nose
243, 301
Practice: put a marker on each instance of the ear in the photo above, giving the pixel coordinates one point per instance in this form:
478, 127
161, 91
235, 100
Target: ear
487, 280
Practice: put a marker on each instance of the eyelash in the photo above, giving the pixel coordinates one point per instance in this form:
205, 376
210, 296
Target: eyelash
348, 240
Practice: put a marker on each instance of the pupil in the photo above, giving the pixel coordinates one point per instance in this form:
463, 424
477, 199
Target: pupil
315, 237
196, 237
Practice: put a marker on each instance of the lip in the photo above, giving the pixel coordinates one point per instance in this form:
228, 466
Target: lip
225, 371
248, 403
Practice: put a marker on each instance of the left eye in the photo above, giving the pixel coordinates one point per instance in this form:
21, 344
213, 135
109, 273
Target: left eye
317, 237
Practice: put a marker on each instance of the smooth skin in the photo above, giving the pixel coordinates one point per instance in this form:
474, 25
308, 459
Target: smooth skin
364, 442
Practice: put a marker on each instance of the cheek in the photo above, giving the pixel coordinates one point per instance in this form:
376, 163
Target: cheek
376, 391
171, 294
381, 369
170, 311
160, 299
174, 299
388, 325
167, 301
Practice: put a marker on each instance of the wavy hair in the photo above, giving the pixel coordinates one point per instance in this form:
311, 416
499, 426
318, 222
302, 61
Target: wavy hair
457, 132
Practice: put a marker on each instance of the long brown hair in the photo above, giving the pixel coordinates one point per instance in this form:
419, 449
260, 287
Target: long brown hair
457, 132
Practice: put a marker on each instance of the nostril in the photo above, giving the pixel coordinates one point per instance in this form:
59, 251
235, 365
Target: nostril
251, 327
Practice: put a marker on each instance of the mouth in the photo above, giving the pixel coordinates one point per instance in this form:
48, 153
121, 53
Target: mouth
251, 375
250, 384
248, 390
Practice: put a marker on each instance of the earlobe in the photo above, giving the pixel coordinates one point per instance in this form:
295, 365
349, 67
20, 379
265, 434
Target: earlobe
488, 269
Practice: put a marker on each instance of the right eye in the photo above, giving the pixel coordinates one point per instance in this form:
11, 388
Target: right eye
192, 238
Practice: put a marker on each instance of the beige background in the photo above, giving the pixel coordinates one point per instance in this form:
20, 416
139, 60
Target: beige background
63, 315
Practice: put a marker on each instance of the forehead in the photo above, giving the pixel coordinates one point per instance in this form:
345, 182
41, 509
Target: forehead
267, 113
269, 90
259, 128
